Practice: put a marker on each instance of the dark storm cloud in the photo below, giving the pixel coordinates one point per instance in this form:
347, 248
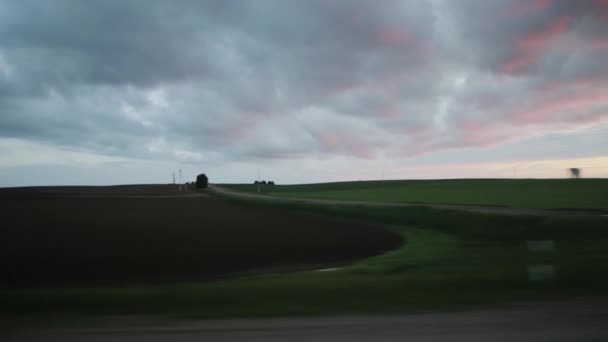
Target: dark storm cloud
215, 80
101, 42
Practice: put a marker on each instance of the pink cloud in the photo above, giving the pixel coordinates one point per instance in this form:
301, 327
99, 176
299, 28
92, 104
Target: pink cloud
602, 9
555, 107
517, 63
418, 140
337, 90
245, 127
530, 48
540, 5
580, 43
516, 9
602, 3
388, 114
526, 7
538, 40
482, 104
329, 141
473, 132
344, 143
564, 103
393, 37
384, 86
558, 90
596, 44
356, 19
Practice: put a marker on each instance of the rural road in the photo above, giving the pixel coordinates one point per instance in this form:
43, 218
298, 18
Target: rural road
584, 320
469, 208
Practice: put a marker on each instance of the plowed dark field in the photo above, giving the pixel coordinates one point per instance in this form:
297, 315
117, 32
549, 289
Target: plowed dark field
153, 234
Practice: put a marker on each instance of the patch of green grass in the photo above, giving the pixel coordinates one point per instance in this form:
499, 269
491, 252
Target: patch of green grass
523, 193
452, 259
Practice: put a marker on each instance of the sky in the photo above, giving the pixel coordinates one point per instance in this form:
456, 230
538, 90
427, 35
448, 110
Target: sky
118, 92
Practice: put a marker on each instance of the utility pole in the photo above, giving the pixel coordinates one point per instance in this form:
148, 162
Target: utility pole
180, 180
173, 177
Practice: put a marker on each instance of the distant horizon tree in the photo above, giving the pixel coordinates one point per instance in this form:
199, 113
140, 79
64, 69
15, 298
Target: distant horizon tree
202, 181
575, 172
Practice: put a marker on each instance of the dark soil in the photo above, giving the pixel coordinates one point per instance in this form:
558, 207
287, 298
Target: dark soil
156, 190
102, 236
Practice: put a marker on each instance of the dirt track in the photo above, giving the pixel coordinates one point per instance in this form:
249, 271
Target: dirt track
469, 208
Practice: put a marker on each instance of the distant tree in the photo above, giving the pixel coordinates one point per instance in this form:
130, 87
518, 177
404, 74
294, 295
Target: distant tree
270, 182
202, 181
256, 182
263, 182
575, 172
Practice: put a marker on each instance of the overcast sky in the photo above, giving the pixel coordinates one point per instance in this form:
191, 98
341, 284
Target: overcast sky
112, 92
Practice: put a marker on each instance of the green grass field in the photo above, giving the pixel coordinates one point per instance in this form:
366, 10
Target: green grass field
451, 260
519, 193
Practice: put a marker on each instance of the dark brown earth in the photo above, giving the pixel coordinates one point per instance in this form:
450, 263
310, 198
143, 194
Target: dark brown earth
125, 235
142, 190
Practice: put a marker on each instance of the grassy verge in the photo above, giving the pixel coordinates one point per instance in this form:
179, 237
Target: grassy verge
451, 260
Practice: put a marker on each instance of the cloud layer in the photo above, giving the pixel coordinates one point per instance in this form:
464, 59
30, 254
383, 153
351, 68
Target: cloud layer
218, 81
